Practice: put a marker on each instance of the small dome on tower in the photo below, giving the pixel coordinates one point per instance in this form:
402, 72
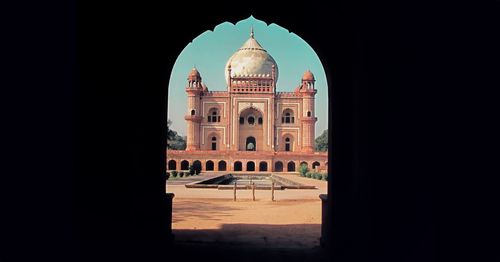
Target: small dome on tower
194, 74
308, 76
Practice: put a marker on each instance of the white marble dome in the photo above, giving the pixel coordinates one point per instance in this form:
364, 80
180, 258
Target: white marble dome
251, 59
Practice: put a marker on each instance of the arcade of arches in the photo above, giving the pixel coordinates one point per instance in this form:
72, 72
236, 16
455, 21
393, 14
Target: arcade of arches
250, 127
249, 165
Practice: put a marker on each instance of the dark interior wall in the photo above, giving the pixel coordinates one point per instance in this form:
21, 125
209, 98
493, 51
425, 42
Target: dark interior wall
126, 53
91, 122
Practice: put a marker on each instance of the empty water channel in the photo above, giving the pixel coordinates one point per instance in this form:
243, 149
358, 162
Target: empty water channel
246, 181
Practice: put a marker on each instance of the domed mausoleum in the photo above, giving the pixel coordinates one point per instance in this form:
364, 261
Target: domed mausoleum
250, 127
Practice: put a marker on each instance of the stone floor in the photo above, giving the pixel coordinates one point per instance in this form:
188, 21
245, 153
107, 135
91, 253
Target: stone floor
204, 216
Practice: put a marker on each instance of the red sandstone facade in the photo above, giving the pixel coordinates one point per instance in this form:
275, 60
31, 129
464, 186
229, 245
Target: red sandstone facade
250, 127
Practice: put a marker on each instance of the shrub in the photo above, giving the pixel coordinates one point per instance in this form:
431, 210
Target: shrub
320, 176
181, 174
303, 170
174, 174
315, 175
309, 174
192, 170
325, 176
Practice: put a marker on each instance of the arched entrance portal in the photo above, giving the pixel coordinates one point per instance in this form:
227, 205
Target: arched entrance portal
251, 129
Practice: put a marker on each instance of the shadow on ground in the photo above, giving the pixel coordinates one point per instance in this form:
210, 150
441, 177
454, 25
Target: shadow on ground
263, 236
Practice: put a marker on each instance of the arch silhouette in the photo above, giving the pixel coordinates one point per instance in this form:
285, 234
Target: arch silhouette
238, 166
263, 166
222, 165
278, 166
184, 165
250, 166
209, 166
172, 165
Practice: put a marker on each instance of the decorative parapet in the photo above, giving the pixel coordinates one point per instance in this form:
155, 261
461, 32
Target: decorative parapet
216, 94
288, 94
259, 154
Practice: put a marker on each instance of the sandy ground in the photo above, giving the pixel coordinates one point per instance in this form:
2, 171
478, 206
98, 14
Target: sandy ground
293, 220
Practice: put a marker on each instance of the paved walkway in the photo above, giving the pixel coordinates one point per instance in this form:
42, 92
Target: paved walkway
293, 220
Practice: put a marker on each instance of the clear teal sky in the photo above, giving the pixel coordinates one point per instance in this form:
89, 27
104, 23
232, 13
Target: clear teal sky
210, 51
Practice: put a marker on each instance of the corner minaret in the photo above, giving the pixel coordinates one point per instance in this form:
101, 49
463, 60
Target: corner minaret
193, 117
309, 119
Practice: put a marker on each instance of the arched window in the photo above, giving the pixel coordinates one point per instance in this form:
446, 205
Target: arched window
260, 121
193, 112
291, 166
288, 144
315, 164
242, 120
214, 143
287, 117
251, 120
308, 113
213, 115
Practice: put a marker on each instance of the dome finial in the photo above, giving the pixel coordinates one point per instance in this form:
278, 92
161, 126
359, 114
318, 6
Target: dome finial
251, 31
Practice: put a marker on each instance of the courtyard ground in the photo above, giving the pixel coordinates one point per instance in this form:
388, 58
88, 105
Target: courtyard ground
207, 216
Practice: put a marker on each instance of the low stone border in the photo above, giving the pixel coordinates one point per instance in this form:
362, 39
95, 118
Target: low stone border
239, 187
207, 183
287, 183
283, 183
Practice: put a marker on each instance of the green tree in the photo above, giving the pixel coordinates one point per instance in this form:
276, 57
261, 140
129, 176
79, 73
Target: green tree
174, 140
303, 170
321, 142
